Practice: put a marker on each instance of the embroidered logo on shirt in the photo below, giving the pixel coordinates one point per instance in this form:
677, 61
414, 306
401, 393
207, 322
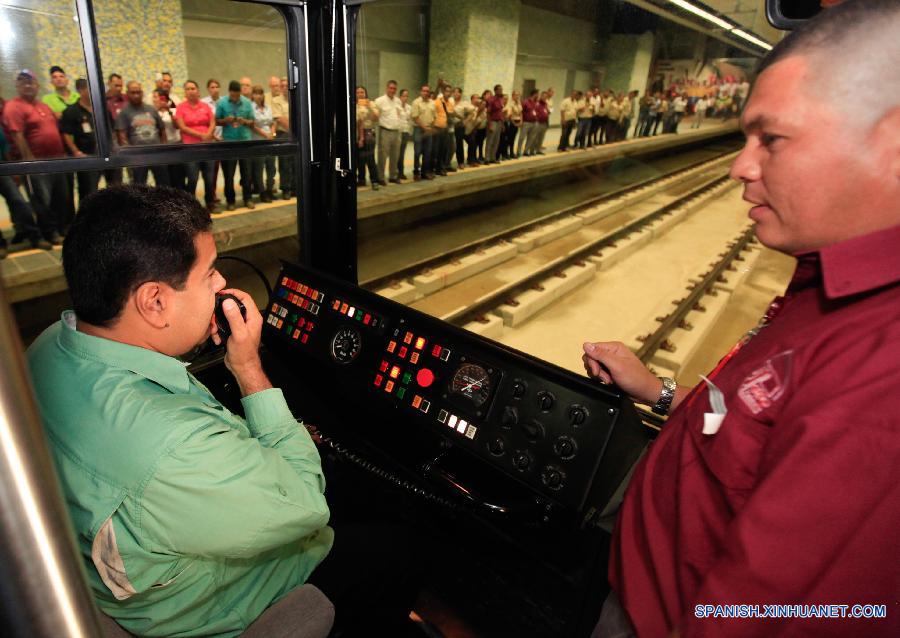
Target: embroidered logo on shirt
765, 385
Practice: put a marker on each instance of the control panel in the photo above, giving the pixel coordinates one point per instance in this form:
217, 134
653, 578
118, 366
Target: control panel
561, 435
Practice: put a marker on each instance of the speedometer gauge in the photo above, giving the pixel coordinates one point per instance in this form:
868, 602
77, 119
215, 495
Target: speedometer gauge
472, 382
345, 345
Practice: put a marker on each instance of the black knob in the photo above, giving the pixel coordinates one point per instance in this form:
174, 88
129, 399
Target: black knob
577, 415
533, 430
521, 460
565, 447
553, 477
509, 417
497, 446
545, 400
519, 388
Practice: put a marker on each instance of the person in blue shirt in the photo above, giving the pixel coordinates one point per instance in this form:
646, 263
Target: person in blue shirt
20, 210
235, 115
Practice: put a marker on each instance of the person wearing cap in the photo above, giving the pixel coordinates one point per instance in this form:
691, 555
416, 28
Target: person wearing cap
77, 126
61, 97
235, 115
33, 130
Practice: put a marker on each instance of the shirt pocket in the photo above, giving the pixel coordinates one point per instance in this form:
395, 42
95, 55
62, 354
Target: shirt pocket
732, 455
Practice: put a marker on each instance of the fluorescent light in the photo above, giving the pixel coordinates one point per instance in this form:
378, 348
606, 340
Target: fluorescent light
706, 15
749, 38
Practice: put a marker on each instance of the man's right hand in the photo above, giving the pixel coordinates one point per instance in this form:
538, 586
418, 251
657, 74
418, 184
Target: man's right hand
242, 347
614, 362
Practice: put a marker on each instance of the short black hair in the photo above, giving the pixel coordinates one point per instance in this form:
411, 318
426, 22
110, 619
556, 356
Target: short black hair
828, 28
211, 80
56, 69
124, 236
113, 75
80, 83
234, 85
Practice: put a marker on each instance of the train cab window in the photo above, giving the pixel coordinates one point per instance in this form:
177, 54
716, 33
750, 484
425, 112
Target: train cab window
546, 173
44, 100
193, 72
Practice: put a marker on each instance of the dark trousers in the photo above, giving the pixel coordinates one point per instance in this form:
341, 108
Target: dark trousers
160, 174
112, 176
287, 174
88, 183
258, 164
20, 210
366, 158
177, 176
656, 121
401, 158
508, 140
193, 170
564, 135
422, 152
480, 135
460, 136
596, 134
439, 150
49, 196
584, 130
228, 168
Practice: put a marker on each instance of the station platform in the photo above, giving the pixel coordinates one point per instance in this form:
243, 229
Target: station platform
33, 274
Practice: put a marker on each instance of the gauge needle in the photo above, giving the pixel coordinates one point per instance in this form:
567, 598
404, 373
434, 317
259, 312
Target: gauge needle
477, 382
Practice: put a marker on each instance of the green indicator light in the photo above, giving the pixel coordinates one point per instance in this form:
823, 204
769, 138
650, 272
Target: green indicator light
401, 392
407, 378
359, 315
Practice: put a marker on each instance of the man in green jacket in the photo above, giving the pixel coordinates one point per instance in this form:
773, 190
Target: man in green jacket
191, 520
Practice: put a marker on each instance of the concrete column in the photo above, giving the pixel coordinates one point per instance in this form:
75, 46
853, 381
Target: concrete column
473, 43
627, 62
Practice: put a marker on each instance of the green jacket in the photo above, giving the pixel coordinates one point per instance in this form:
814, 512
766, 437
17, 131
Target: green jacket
191, 520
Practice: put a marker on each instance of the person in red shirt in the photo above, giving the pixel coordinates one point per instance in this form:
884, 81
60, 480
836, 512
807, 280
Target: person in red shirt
494, 105
34, 133
778, 481
197, 123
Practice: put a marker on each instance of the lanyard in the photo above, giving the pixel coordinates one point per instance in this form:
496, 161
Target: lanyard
773, 310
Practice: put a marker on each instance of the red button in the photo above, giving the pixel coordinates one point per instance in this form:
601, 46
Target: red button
424, 377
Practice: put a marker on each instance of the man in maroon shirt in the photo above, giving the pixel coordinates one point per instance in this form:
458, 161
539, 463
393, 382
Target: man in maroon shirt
787, 497
115, 102
34, 134
494, 125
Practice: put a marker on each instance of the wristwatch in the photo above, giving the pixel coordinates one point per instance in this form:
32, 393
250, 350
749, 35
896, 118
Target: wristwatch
664, 402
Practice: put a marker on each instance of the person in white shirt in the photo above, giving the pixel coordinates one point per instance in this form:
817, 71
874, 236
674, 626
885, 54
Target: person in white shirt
700, 111
676, 113
390, 110
162, 104
406, 130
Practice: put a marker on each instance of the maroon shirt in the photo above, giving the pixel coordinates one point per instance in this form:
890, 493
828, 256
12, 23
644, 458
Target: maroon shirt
115, 104
529, 110
37, 122
495, 108
796, 498
543, 112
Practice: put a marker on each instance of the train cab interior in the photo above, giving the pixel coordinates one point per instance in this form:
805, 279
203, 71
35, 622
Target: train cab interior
425, 323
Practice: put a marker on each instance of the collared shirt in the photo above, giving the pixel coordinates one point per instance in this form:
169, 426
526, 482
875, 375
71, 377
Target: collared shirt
795, 498
568, 109
115, 104
513, 111
441, 110
243, 109
584, 108
196, 116
542, 109
423, 110
56, 102
406, 125
37, 122
78, 122
495, 108
529, 110
190, 519
209, 101
280, 108
389, 109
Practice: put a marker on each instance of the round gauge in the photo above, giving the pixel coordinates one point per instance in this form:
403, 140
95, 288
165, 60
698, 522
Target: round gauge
473, 382
345, 345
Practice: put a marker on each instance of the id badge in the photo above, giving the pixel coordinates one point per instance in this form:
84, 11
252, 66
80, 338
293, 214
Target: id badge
86, 127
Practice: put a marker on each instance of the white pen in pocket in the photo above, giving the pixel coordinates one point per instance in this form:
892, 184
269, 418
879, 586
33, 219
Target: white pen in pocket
712, 421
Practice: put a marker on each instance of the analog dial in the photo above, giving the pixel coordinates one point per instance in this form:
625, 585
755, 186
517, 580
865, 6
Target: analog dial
345, 345
473, 382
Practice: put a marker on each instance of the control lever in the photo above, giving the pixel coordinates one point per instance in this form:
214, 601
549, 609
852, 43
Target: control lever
433, 471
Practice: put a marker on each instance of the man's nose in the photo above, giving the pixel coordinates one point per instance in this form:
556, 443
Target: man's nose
745, 167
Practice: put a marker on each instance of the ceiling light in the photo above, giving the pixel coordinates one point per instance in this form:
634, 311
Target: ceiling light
706, 15
749, 38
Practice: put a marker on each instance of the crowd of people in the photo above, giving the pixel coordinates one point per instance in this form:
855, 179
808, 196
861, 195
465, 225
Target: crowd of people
450, 132
61, 124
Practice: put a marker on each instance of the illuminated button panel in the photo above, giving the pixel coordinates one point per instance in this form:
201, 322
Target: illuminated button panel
292, 324
351, 311
303, 296
457, 424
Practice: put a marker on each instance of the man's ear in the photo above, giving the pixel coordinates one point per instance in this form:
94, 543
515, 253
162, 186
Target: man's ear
152, 303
